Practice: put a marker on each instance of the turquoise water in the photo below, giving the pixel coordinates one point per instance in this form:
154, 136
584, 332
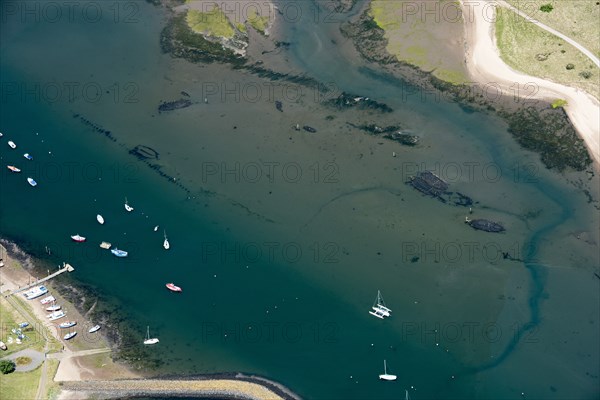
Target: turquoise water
279, 272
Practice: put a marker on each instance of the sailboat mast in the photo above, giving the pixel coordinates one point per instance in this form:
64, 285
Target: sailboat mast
384, 367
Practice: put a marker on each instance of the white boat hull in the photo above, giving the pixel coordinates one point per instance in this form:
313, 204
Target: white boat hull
388, 377
381, 311
100, 219
376, 314
151, 341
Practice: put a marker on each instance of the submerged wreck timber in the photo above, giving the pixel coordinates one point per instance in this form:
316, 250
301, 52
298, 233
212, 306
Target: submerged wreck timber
432, 185
485, 225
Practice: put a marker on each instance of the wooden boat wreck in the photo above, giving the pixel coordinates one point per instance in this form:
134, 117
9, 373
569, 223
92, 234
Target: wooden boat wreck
485, 225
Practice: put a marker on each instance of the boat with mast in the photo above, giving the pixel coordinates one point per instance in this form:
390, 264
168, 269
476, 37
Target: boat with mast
127, 206
149, 340
385, 376
166, 244
379, 308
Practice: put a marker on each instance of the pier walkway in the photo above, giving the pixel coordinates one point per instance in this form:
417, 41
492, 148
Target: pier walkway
65, 268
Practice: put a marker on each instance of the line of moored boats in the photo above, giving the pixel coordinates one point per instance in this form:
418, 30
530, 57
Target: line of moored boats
56, 311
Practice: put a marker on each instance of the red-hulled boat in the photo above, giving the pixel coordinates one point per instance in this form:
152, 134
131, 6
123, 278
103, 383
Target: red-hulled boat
173, 288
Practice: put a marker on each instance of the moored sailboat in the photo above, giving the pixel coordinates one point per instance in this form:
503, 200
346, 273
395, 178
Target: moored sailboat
379, 308
385, 376
166, 244
149, 340
127, 206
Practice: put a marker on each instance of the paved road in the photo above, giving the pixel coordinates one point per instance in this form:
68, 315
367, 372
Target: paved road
37, 359
567, 39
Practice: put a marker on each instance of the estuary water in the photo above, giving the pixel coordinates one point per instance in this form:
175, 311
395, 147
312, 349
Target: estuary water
281, 238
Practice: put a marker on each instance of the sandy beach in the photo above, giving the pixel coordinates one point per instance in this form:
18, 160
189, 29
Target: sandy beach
486, 67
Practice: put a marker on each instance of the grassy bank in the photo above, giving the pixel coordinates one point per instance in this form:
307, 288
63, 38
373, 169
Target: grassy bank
426, 40
576, 19
20, 385
534, 51
542, 128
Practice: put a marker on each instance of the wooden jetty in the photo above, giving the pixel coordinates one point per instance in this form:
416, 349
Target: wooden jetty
66, 268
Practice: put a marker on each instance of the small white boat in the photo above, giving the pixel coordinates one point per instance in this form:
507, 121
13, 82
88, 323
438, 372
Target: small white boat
53, 308
381, 311
149, 340
166, 244
36, 292
67, 324
1, 134
32, 182
119, 253
12, 144
377, 314
28, 156
70, 335
156, 228
100, 219
127, 206
95, 328
56, 315
78, 238
13, 168
105, 245
47, 300
385, 376
174, 288
379, 308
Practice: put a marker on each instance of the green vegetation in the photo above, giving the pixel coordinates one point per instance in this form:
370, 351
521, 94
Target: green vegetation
7, 366
425, 42
549, 133
180, 41
212, 23
576, 19
20, 385
241, 27
546, 8
258, 22
559, 103
534, 51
